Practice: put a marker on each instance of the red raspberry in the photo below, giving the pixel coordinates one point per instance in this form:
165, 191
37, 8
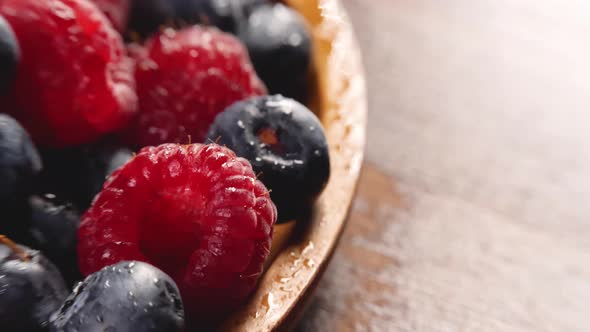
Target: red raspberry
184, 79
116, 10
195, 211
74, 83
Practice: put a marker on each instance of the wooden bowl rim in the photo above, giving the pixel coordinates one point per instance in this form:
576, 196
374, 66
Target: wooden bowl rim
343, 110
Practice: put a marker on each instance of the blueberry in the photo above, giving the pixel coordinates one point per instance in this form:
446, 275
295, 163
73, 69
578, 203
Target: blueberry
9, 55
284, 141
19, 160
77, 174
44, 223
15, 220
226, 15
127, 296
31, 288
147, 16
279, 44
53, 230
19, 163
103, 161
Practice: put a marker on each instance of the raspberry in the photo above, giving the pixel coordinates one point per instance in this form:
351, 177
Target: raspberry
195, 211
116, 10
184, 79
74, 83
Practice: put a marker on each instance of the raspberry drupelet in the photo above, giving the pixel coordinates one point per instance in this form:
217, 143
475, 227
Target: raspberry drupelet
184, 79
195, 211
74, 83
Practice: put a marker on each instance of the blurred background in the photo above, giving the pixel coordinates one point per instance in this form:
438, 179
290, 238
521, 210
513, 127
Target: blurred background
473, 211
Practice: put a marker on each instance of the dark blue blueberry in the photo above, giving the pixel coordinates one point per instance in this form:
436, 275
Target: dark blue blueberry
15, 219
279, 44
19, 160
31, 289
285, 142
53, 230
103, 161
77, 174
127, 296
226, 15
147, 16
9, 55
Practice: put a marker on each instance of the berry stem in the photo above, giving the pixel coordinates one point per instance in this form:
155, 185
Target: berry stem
14, 247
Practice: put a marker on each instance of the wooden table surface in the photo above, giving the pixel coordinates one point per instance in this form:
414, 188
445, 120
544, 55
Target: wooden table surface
473, 211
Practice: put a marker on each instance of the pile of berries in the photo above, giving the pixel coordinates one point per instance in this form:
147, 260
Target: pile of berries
102, 187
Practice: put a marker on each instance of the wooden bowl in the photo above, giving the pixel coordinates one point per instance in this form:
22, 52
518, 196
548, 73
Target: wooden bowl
340, 102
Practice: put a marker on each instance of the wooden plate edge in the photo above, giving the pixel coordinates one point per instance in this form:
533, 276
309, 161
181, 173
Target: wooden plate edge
343, 105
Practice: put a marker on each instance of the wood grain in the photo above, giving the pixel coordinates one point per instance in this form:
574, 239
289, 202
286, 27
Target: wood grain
340, 102
473, 212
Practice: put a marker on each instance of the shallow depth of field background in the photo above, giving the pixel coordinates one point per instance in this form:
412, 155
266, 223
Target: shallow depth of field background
473, 211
